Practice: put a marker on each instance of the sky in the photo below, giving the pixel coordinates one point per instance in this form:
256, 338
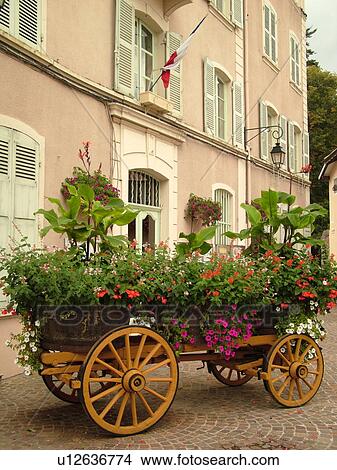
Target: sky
322, 14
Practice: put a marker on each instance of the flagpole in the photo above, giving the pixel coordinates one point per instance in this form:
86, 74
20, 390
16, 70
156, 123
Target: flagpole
155, 82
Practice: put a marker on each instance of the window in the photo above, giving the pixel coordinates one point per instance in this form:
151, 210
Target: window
223, 110
225, 199
144, 195
220, 107
231, 9
295, 61
144, 50
22, 19
270, 32
141, 48
269, 116
298, 148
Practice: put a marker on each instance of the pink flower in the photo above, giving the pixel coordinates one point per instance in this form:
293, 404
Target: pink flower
192, 340
208, 338
209, 345
174, 321
177, 345
221, 349
234, 333
234, 307
227, 338
184, 334
210, 332
224, 323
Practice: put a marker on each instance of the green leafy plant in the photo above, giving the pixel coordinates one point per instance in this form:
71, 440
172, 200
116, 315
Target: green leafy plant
196, 242
86, 221
267, 218
100, 184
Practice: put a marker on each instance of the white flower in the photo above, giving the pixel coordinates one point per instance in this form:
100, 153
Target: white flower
28, 372
325, 283
291, 325
32, 333
299, 330
7, 342
186, 293
289, 331
37, 323
283, 350
278, 309
26, 340
26, 358
34, 348
311, 302
316, 304
16, 361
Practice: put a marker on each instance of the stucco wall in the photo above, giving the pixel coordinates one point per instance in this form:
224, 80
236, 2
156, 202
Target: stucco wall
7, 356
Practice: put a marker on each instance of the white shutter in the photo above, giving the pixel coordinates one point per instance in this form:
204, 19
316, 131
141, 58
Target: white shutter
237, 12
264, 134
174, 90
209, 97
273, 40
291, 146
306, 150
283, 139
28, 21
5, 16
267, 30
25, 185
5, 189
238, 115
124, 47
293, 59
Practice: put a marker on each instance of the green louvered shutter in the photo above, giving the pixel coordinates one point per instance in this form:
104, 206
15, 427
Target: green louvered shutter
237, 12
125, 47
264, 134
6, 16
238, 115
283, 139
209, 97
28, 17
5, 185
174, 91
291, 146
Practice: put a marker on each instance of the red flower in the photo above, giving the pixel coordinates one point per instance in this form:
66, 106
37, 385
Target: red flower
290, 262
284, 305
117, 296
333, 294
216, 293
164, 300
231, 280
308, 294
330, 305
268, 253
101, 293
310, 278
132, 293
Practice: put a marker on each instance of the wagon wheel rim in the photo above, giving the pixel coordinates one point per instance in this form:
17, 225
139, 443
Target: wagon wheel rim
295, 370
228, 376
60, 389
143, 380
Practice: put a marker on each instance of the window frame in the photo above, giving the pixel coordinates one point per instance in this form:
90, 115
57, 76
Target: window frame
298, 146
268, 53
218, 81
140, 54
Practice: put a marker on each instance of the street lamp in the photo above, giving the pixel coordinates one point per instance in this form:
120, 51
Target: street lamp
277, 153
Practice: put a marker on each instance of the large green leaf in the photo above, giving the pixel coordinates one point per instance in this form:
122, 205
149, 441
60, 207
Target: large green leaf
268, 202
86, 192
50, 215
74, 204
127, 217
254, 215
285, 198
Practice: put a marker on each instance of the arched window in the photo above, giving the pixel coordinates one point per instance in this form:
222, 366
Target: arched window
143, 189
225, 199
144, 195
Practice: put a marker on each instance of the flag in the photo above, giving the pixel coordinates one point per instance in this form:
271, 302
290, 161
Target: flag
175, 58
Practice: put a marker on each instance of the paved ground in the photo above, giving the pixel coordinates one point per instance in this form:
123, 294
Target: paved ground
204, 415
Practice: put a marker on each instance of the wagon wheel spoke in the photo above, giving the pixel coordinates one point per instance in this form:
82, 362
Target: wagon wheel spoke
155, 394
280, 377
106, 392
117, 356
291, 389
128, 351
156, 366
314, 372
276, 366
108, 366
230, 372
145, 403
134, 409
305, 352
159, 379
297, 349
284, 386
299, 388
150, 356
121, 410
222, 369
111, 403
139, 351
290, 352
59, 387
308, 384
282, 356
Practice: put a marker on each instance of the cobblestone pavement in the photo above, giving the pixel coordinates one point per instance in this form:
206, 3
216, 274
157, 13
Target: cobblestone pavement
204, 415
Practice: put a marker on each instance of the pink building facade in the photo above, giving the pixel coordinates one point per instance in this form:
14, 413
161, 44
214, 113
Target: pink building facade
71, 73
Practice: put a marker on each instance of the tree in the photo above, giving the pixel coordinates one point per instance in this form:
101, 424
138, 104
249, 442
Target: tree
322, 107
310, 53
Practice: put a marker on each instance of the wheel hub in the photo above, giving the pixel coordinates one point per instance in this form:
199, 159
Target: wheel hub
133, 381
298, 370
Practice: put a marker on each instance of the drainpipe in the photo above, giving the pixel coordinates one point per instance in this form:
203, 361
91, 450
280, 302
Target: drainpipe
245, 77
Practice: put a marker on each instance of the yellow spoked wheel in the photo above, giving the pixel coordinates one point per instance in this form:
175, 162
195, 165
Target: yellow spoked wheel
294, 368
143, 380
227, 376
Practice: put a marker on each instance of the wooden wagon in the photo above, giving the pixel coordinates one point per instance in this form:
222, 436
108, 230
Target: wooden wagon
126, 377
